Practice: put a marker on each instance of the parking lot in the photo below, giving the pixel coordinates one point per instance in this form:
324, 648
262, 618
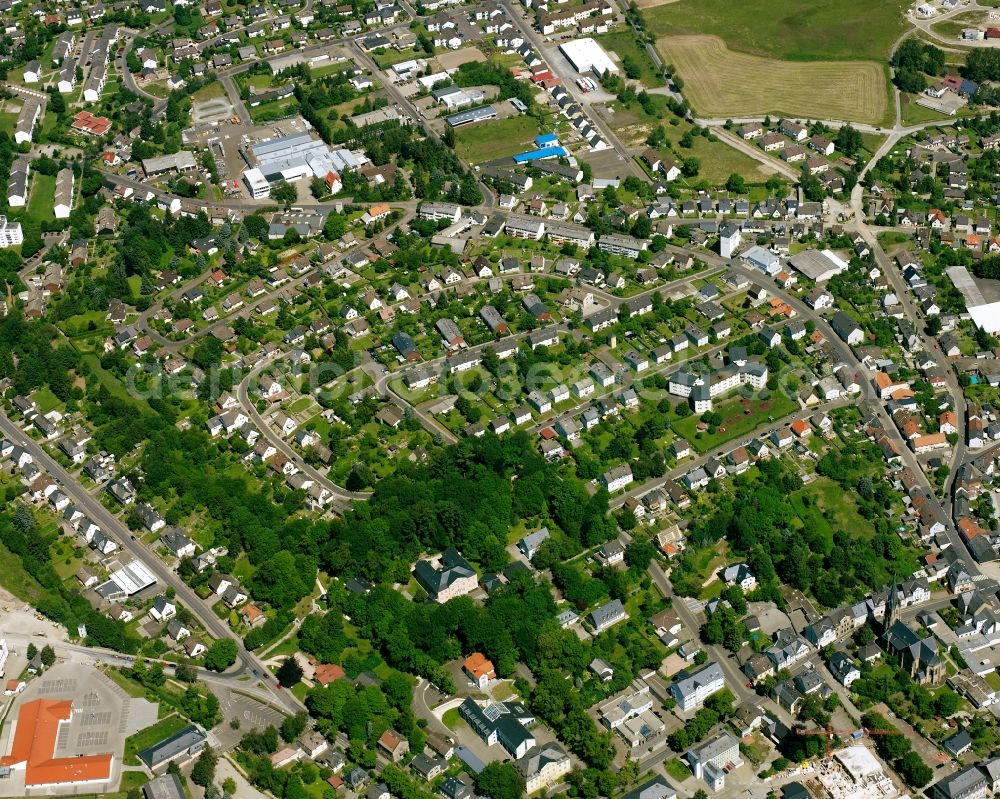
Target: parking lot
251, 714
214, 110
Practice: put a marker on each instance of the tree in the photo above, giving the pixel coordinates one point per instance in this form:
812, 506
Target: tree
48, 656
500, 781
57, 105
31, 651
203, 771
632, 68
283, 580
736, 184
690, 167
982, 65
256, 225
335, 226
864, 636
284, 193
946, 703
907, 80
293, 726
289, 672
913, 770
848, 140
221, 655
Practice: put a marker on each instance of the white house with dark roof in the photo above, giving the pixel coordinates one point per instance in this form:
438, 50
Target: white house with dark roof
607, 615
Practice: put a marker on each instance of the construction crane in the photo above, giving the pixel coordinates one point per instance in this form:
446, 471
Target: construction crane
830, 733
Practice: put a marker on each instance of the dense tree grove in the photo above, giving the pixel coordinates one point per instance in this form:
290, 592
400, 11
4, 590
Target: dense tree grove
436, 172
982, 65
464, 497
818, 560
988, 267
912, 60
500, 781
896, 749
481, 73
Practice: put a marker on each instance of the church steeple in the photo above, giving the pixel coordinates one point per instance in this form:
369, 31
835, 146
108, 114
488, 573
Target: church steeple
893, 610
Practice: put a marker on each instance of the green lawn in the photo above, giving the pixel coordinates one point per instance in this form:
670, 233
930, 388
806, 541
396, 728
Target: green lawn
46, 400
301, 404
737, 422
8, 121
130, 687
387, 57
16, 579
716, 159
143, 739
451, 719
484, 141
625, 45
79, 325
268, 112
156, 89
108, 380
211, 91
42, 197
913, 114
829, 507
287, 647
676, 769
259, 81
799, 30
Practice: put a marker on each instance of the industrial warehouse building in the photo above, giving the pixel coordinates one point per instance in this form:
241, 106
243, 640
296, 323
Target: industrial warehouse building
291, 158
586, 55
473, 115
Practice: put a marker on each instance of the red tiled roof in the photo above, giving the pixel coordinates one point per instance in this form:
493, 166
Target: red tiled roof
327, 673
478, 665
35, 742
390, 740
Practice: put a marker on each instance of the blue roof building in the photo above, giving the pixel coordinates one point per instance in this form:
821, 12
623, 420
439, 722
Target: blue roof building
546, 140
541, 153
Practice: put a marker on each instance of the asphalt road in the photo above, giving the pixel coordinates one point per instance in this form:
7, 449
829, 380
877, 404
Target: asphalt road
248, 662
342, 497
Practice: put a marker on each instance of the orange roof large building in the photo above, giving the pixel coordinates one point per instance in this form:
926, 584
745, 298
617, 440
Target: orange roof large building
35, 743
479, 669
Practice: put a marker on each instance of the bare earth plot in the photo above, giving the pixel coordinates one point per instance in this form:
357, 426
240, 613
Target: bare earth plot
720, 82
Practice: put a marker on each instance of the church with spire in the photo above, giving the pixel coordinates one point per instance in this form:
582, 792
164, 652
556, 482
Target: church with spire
917, 655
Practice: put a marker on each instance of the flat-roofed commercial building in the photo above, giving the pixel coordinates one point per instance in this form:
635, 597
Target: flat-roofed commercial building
472, 115
182, 161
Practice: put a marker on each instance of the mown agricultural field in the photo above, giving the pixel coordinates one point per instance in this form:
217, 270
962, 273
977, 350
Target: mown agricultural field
797, 30
719, 82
